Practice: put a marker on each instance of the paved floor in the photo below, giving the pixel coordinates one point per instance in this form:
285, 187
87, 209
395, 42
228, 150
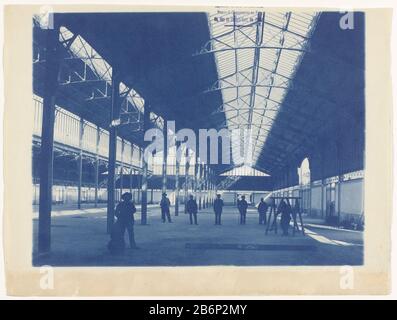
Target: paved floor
79, 239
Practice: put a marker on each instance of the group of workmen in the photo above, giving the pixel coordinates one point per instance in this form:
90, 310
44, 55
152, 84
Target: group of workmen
125, 214
284, 209
242, 205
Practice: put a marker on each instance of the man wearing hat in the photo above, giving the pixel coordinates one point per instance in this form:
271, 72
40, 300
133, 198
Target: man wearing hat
242, 208
191, 207
218, 207
125, 219
165, 208
262, 209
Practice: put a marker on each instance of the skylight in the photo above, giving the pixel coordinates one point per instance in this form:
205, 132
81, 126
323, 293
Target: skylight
257, 55
245, 171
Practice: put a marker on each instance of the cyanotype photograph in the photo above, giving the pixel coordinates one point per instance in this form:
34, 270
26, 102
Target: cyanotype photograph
233, 137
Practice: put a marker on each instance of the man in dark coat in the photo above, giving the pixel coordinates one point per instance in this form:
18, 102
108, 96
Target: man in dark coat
218, 207
191, 207
165, 208
285, 209
125, 218
262, 209
242, 208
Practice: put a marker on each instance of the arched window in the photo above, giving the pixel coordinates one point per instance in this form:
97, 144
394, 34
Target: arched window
304, 172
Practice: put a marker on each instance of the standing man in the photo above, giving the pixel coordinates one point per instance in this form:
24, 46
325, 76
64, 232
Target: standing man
125, 218
165, 208
242, 207
191, 207
262, 209
218, 207
285, 209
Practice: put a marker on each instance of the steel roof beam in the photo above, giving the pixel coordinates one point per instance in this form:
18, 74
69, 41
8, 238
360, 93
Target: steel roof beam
244, 86
288, 16
235, 61
252, 47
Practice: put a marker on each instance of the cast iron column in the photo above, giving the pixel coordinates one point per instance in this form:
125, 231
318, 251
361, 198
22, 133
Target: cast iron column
165, 155
177, 179
52, 65
80, 164
114, 115
144, 187
186, 175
